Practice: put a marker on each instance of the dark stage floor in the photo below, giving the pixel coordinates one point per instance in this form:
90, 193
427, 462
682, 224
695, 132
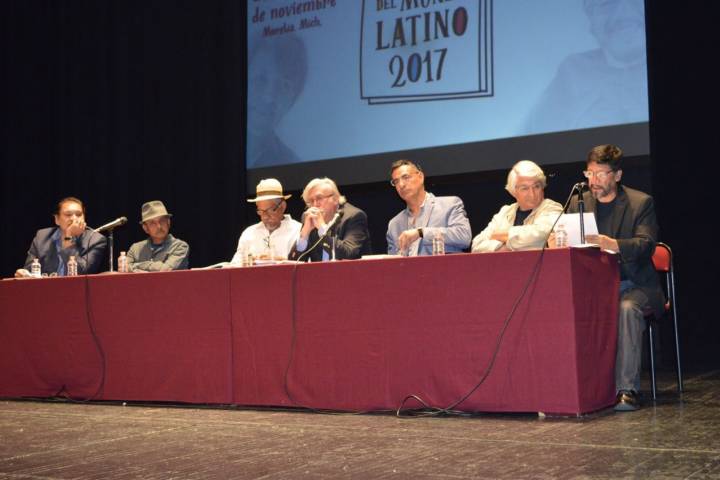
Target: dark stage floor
673, 439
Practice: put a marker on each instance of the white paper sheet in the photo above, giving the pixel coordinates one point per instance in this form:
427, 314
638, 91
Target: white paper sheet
571, 223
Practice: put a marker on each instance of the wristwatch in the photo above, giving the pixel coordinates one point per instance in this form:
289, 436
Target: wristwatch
420, 232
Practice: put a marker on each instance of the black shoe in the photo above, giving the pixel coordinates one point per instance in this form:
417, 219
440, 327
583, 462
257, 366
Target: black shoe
626, 401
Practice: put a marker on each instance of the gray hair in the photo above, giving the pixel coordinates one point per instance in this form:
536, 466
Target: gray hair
316, 182
524, 168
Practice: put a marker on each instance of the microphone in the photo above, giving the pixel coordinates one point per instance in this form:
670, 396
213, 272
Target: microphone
333, 221
111, 225
329, 229
581, 207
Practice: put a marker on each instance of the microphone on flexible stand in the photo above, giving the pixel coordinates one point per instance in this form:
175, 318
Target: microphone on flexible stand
579, 187
110, 226
329, 226
334, 236
118, 222
332, 222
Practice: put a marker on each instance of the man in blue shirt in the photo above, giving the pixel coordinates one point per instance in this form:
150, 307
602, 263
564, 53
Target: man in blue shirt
412, 230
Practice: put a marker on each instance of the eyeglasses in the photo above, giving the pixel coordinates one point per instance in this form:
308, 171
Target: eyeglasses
270, 210
402, 178
319, 198
599, 175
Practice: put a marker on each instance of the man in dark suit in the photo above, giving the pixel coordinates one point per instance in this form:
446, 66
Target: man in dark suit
346, 238
71, 237
626, 225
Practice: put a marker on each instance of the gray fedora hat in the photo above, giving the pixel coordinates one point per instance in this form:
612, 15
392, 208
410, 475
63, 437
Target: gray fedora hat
153, 209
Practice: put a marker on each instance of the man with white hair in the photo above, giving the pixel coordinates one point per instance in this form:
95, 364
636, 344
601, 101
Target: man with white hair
526, 223
274, 235
331, 226
602, 85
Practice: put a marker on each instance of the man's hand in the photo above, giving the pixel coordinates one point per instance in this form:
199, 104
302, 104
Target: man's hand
406, 239
499, 235
605, 242
314, 218
75, 229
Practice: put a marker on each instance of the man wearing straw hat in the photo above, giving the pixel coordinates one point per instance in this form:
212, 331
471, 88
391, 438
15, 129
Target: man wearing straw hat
276, 232
161, 251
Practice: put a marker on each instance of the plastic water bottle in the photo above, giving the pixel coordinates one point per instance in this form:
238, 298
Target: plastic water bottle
35, 268
72, 267
561, 237
246, 257
243, 256
122, 263
438, 244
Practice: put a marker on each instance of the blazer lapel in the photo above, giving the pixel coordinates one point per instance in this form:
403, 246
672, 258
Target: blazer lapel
427, 211
589, 202
511, 213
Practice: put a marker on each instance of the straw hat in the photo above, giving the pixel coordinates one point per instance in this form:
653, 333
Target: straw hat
268, 189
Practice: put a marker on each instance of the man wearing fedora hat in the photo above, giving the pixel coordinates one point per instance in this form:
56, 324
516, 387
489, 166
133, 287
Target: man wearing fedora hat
161, 251
276, 232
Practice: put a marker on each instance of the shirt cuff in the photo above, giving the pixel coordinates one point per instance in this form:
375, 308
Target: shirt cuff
301, 244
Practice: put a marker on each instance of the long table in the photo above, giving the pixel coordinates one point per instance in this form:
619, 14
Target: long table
347, 335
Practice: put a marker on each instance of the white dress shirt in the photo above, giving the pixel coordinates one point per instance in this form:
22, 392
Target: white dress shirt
257, 239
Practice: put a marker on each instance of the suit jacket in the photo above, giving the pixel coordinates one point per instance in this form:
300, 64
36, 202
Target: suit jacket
440, 214
634, 226
89, 251
351, 233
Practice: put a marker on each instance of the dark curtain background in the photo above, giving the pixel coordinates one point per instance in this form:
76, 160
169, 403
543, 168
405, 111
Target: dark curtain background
123, 102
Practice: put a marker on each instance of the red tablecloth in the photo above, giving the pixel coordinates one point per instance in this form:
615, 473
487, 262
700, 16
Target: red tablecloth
354, 335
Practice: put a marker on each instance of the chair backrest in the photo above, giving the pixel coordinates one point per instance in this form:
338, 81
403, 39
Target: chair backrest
662, 258
663, 263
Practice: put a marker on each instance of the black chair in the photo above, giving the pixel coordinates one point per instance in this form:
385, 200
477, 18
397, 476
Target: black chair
663, 262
